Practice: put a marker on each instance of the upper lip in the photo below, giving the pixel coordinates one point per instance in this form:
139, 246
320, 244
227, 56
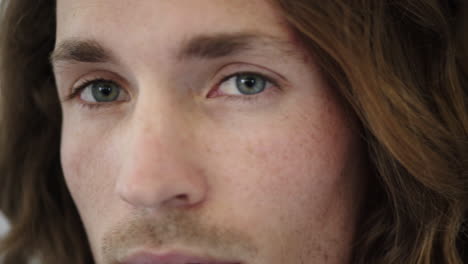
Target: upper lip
173, 258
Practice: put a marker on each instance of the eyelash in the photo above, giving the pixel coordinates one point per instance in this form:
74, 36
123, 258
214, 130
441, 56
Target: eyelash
247, 98
76, 92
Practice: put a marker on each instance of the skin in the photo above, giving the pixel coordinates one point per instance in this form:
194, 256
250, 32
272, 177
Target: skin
177, 167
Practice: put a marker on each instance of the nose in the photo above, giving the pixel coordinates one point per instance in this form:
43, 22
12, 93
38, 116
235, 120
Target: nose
158, 167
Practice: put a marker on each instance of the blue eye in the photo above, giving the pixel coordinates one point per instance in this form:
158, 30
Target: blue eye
100, 91
249, 84
105, 91
244, 84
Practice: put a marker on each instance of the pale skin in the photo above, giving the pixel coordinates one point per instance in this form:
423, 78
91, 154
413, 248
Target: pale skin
183, 160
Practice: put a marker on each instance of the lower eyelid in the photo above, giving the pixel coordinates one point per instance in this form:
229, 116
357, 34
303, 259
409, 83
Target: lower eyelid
93, 104
261, 98
270, 83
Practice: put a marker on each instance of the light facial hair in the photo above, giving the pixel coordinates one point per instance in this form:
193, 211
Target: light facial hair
172, 230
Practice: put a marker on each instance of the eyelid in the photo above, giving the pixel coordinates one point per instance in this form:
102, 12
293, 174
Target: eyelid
91, 75
225, 79
236, 74
236, 68
84, 83
78, 89
228, 71
102, 75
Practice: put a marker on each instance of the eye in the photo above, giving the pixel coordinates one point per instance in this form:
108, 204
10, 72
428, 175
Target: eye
244, 84
100, 91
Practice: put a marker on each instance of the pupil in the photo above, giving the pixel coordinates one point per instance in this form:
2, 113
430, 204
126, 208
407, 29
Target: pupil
105, 90
250, 82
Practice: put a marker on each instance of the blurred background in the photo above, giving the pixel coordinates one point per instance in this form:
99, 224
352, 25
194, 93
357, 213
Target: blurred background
3, 223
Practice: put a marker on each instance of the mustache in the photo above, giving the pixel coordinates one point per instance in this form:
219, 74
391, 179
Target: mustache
172, 229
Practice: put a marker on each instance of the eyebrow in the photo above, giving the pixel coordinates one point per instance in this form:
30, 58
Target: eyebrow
202, 47
216, 46
74, 50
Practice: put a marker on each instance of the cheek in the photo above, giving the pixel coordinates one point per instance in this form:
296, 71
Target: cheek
87, 162
302, 154
302, 167
309, 194
295, 181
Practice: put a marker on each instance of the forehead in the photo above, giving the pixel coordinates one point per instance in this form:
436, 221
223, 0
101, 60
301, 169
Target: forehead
168, 19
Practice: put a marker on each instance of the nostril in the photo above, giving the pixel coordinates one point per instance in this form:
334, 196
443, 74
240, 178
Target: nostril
182, 197
178, 200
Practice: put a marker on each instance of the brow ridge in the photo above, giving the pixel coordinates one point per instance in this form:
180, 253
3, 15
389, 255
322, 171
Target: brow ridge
216, 45
80, 51
208, 46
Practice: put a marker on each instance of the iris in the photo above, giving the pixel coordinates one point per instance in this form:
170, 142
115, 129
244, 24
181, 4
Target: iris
250, 84
105, 91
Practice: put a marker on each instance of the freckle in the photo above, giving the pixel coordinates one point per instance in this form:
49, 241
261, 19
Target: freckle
285, 117
208, 149
250, 149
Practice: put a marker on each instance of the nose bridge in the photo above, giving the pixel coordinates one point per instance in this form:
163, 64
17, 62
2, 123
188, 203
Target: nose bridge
155, 112
157, 169
159, 119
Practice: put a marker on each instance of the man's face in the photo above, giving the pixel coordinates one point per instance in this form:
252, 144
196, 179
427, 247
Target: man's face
202, 132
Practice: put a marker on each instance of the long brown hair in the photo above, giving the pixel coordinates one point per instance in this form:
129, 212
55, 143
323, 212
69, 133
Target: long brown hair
400, 65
